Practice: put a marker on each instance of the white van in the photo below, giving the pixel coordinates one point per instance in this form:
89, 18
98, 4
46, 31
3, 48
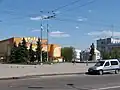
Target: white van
105, 66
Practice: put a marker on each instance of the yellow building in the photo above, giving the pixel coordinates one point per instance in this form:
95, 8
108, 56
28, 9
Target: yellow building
6, 45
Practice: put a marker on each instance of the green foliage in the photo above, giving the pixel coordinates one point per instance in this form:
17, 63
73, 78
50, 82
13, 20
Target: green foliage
23, 51
13, 54
113, 54
38, 50
19, 54
106, 55
92, 53
24, 44
68, 53
31, 54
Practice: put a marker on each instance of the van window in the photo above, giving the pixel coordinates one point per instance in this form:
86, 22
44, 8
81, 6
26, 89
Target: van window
114, 63
107, 64
100, 63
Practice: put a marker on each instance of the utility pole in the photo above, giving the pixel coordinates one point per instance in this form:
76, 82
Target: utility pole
41, 30
47, 18
41, 42
47, 41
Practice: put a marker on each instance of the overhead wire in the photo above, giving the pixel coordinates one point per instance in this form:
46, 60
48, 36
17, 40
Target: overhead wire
80, 6
69, 4
75, 21
69, 10
61, 7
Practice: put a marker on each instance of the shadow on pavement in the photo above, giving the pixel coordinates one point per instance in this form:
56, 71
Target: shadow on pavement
87, 73
106, 73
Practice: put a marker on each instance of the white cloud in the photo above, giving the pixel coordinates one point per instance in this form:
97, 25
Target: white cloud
89, 11
59, 34
106, 33
36, 18
35, 30
77, 27
81, 19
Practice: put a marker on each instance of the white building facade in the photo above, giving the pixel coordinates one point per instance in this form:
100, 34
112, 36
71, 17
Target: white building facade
77, 55
77, 51
97, 55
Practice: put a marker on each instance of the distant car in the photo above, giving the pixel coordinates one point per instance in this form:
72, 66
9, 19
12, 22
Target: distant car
105, 66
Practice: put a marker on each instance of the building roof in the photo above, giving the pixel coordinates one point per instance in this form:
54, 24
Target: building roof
12, 38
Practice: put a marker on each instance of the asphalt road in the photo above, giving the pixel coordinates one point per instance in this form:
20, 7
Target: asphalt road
76, 82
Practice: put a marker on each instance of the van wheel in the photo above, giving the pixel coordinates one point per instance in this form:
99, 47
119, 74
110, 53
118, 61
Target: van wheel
101, 72
116, 71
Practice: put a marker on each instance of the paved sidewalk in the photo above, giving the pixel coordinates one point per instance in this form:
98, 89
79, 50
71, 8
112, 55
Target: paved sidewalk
16, 71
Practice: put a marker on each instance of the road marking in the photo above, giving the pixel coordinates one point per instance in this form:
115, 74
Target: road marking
107, 88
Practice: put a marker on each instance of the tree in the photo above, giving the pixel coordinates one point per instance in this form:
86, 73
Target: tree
19, 56
22, 52
31, 54
38, 50
92, 52
106, 55
24, 44
68, 53
112, 54
13, 54
115, 53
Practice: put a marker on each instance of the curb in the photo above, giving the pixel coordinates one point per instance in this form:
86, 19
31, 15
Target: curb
32, 76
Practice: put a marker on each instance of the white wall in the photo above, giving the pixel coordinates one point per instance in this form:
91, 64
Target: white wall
77, 53
115, 40
97, 54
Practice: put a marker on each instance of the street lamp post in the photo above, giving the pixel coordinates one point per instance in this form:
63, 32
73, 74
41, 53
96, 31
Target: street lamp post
41, 44
47, 42
47, 18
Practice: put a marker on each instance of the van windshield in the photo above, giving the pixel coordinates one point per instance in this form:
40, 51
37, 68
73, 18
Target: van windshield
100, 63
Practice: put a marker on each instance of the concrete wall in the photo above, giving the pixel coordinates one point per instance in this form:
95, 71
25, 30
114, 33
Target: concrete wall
5, 47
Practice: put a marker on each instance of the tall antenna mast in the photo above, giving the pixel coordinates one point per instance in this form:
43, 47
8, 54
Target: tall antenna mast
112, 28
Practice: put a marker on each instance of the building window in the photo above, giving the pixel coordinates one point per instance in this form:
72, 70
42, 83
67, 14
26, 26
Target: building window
102, 43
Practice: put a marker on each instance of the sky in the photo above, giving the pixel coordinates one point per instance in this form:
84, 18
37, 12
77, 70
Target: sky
77, 23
